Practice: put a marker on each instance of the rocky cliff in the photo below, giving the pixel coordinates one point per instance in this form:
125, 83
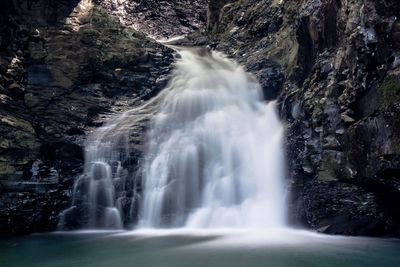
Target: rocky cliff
334, 66
65, 68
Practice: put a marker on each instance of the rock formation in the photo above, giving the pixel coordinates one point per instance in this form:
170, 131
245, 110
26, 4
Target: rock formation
65, 67
162, 20
335, 67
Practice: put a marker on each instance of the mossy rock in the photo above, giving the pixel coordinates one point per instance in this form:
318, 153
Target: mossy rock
102, 19
328, 166
389, 91
18, 146
7, 172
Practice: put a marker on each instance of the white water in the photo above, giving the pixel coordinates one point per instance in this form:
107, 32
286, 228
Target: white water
95, 189
105, 184
215, 156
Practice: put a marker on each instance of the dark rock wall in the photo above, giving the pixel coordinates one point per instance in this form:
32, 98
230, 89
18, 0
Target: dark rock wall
335, 67
214, 13
64, 69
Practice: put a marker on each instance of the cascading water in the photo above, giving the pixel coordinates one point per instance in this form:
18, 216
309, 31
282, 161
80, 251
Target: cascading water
105, 189
94, 191
215, 156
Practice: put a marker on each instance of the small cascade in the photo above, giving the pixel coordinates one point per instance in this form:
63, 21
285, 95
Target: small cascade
215, 157
95, 191
105, 196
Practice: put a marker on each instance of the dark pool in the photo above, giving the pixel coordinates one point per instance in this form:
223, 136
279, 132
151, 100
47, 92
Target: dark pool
274, 248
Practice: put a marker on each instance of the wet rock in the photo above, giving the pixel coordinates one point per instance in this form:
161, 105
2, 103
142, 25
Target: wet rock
37, 52
16, 89
272, 79
330, 162
2, 90
31, 100
213, 13
330, 142
39, 75
346, 118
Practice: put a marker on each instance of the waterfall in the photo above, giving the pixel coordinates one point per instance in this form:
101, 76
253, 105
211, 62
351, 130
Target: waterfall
105, 195
95, 191
215, 155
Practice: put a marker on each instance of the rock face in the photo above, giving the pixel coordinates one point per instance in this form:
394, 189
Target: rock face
335, 67
65, 67
161, 20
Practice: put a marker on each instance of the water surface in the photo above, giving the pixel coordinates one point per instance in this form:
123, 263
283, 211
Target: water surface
274, 248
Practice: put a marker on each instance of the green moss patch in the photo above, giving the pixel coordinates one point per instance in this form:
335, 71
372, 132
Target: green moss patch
390, 91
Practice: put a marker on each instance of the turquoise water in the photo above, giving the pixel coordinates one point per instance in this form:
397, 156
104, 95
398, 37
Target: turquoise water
278, 248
